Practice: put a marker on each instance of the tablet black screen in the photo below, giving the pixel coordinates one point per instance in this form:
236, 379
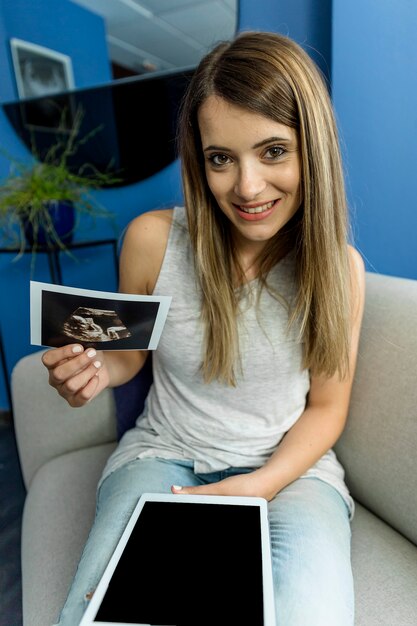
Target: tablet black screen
189, 563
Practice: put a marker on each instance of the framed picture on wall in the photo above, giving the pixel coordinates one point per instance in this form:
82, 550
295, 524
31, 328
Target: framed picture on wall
40, 71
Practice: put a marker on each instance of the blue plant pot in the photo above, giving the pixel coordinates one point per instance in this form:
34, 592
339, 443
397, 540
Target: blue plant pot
63, 218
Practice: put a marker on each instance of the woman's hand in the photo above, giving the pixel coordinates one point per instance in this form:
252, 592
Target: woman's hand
252, 484
78, 375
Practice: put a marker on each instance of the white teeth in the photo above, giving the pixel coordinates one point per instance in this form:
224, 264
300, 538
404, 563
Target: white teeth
258, 209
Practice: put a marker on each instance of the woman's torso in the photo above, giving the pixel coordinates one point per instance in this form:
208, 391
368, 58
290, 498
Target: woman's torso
215, 425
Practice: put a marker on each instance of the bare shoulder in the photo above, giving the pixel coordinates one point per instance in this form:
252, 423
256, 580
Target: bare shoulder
143, 251
357, 272
356, 260
149, 228
357, 266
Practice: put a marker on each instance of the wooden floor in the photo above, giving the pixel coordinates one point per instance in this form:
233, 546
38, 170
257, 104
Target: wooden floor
12, 495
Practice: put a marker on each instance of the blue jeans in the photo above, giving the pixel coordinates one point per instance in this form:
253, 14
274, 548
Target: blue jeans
310, 538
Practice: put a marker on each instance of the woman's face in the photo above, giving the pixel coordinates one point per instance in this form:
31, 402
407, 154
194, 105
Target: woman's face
253, 170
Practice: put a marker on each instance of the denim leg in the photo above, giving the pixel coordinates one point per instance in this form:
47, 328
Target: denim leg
310, 538
117, 498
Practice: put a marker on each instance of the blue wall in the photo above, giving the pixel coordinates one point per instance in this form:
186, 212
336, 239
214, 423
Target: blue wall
306, 21
375, 96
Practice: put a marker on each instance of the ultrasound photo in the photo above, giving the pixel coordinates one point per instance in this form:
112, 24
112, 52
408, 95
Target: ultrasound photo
86, 324
103, 320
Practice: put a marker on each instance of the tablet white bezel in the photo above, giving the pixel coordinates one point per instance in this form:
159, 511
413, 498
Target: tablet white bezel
268, 591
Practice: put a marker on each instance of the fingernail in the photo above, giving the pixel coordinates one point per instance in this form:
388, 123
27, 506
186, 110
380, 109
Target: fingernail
177, 487
97, 364
91, 353
77, 349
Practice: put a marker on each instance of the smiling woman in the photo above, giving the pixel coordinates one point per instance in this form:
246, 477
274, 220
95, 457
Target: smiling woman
254, 177
252, 376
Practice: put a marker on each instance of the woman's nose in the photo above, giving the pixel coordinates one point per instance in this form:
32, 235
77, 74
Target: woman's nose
249, 184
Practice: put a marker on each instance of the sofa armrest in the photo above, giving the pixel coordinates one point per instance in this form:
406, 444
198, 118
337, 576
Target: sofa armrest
378, 445
46, 426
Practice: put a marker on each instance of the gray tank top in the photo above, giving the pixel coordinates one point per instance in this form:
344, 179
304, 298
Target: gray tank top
215, 425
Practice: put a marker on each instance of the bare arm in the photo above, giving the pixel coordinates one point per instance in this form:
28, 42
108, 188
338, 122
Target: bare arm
318, 428
80, 375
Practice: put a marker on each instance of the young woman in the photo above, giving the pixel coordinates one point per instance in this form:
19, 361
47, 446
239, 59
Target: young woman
253, 372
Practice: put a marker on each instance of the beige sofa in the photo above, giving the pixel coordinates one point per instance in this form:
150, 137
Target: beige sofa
63, 451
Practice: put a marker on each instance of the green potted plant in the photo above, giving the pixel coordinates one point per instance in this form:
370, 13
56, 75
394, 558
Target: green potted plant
40, 201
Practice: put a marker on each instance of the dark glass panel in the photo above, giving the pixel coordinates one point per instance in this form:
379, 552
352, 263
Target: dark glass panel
134, 120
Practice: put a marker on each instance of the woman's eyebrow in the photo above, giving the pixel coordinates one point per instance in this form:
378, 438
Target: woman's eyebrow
220, 148
271, 140
257, 145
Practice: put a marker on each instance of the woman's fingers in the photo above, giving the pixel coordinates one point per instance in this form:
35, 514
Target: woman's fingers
85, 394
213, 489
53, 357
74, 383
73, 372
248, 484
66, 365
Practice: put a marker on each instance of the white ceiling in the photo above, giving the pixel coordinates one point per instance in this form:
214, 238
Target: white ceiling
145, 35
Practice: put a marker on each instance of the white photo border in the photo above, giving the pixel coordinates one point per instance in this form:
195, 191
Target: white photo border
19, 46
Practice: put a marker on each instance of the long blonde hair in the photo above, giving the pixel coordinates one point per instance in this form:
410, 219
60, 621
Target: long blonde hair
271, 75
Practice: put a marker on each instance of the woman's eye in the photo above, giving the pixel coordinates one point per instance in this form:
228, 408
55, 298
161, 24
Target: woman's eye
275, 152
219, 159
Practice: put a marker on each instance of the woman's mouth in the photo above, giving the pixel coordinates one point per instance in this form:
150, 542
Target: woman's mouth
257, 209
256, 212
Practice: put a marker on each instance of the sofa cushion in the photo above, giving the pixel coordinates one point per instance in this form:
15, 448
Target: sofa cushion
384, 571
58, 513
46, 426
378, 446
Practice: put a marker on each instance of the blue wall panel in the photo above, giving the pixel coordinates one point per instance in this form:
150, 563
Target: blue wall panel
306, 21
375, 96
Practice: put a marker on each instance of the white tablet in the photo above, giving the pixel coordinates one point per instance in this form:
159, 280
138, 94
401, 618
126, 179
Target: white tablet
189, 560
